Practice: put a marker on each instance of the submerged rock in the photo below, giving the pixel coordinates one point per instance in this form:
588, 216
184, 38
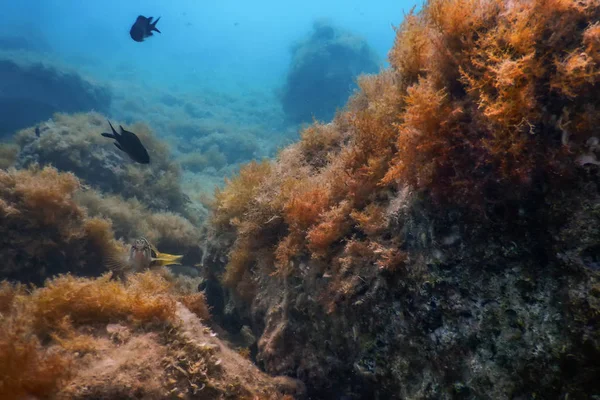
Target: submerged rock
323, 72
30, 94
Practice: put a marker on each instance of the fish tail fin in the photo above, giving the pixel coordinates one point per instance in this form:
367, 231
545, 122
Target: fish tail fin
163, 259
153, 26
108, 135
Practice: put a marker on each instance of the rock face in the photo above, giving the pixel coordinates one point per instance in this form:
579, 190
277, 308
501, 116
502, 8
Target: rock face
487, 311
30, 94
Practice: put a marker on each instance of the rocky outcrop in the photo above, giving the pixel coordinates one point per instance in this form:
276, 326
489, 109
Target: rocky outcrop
30, 94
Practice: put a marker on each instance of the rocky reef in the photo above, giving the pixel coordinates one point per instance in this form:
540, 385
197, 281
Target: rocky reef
32, 93
51, 224
138, 200
438, 239
323, 72
70, 330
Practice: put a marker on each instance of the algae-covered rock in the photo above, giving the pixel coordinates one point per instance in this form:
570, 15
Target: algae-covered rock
438, 239
79, 338
73, 143
43, 231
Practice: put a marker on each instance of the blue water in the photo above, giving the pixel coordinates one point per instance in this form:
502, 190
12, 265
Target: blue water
199, 38
224, 62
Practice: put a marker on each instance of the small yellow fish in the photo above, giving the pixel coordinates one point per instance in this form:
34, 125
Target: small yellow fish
142, 255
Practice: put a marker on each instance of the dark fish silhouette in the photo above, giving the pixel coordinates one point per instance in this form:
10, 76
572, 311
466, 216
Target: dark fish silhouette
142, 28
129, 143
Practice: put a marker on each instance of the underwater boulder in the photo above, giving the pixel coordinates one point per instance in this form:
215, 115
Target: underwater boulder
77, 338
73, 143
33, 93
439, 238
323, 71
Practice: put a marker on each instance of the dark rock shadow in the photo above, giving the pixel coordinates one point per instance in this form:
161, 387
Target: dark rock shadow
30, 94
323, 73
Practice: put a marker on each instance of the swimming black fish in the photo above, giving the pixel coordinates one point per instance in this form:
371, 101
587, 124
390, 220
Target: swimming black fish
129, 143
142, 28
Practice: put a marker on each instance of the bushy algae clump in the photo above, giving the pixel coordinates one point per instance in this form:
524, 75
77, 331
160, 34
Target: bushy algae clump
43, 229
50, 224
77, 338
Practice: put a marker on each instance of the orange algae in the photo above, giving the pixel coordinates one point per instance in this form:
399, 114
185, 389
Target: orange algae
82, 338
56, 310
484, 103
43, 231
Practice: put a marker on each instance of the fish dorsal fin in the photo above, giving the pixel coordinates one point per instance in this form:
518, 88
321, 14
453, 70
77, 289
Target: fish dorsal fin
163, 259
152, 247
113, 130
